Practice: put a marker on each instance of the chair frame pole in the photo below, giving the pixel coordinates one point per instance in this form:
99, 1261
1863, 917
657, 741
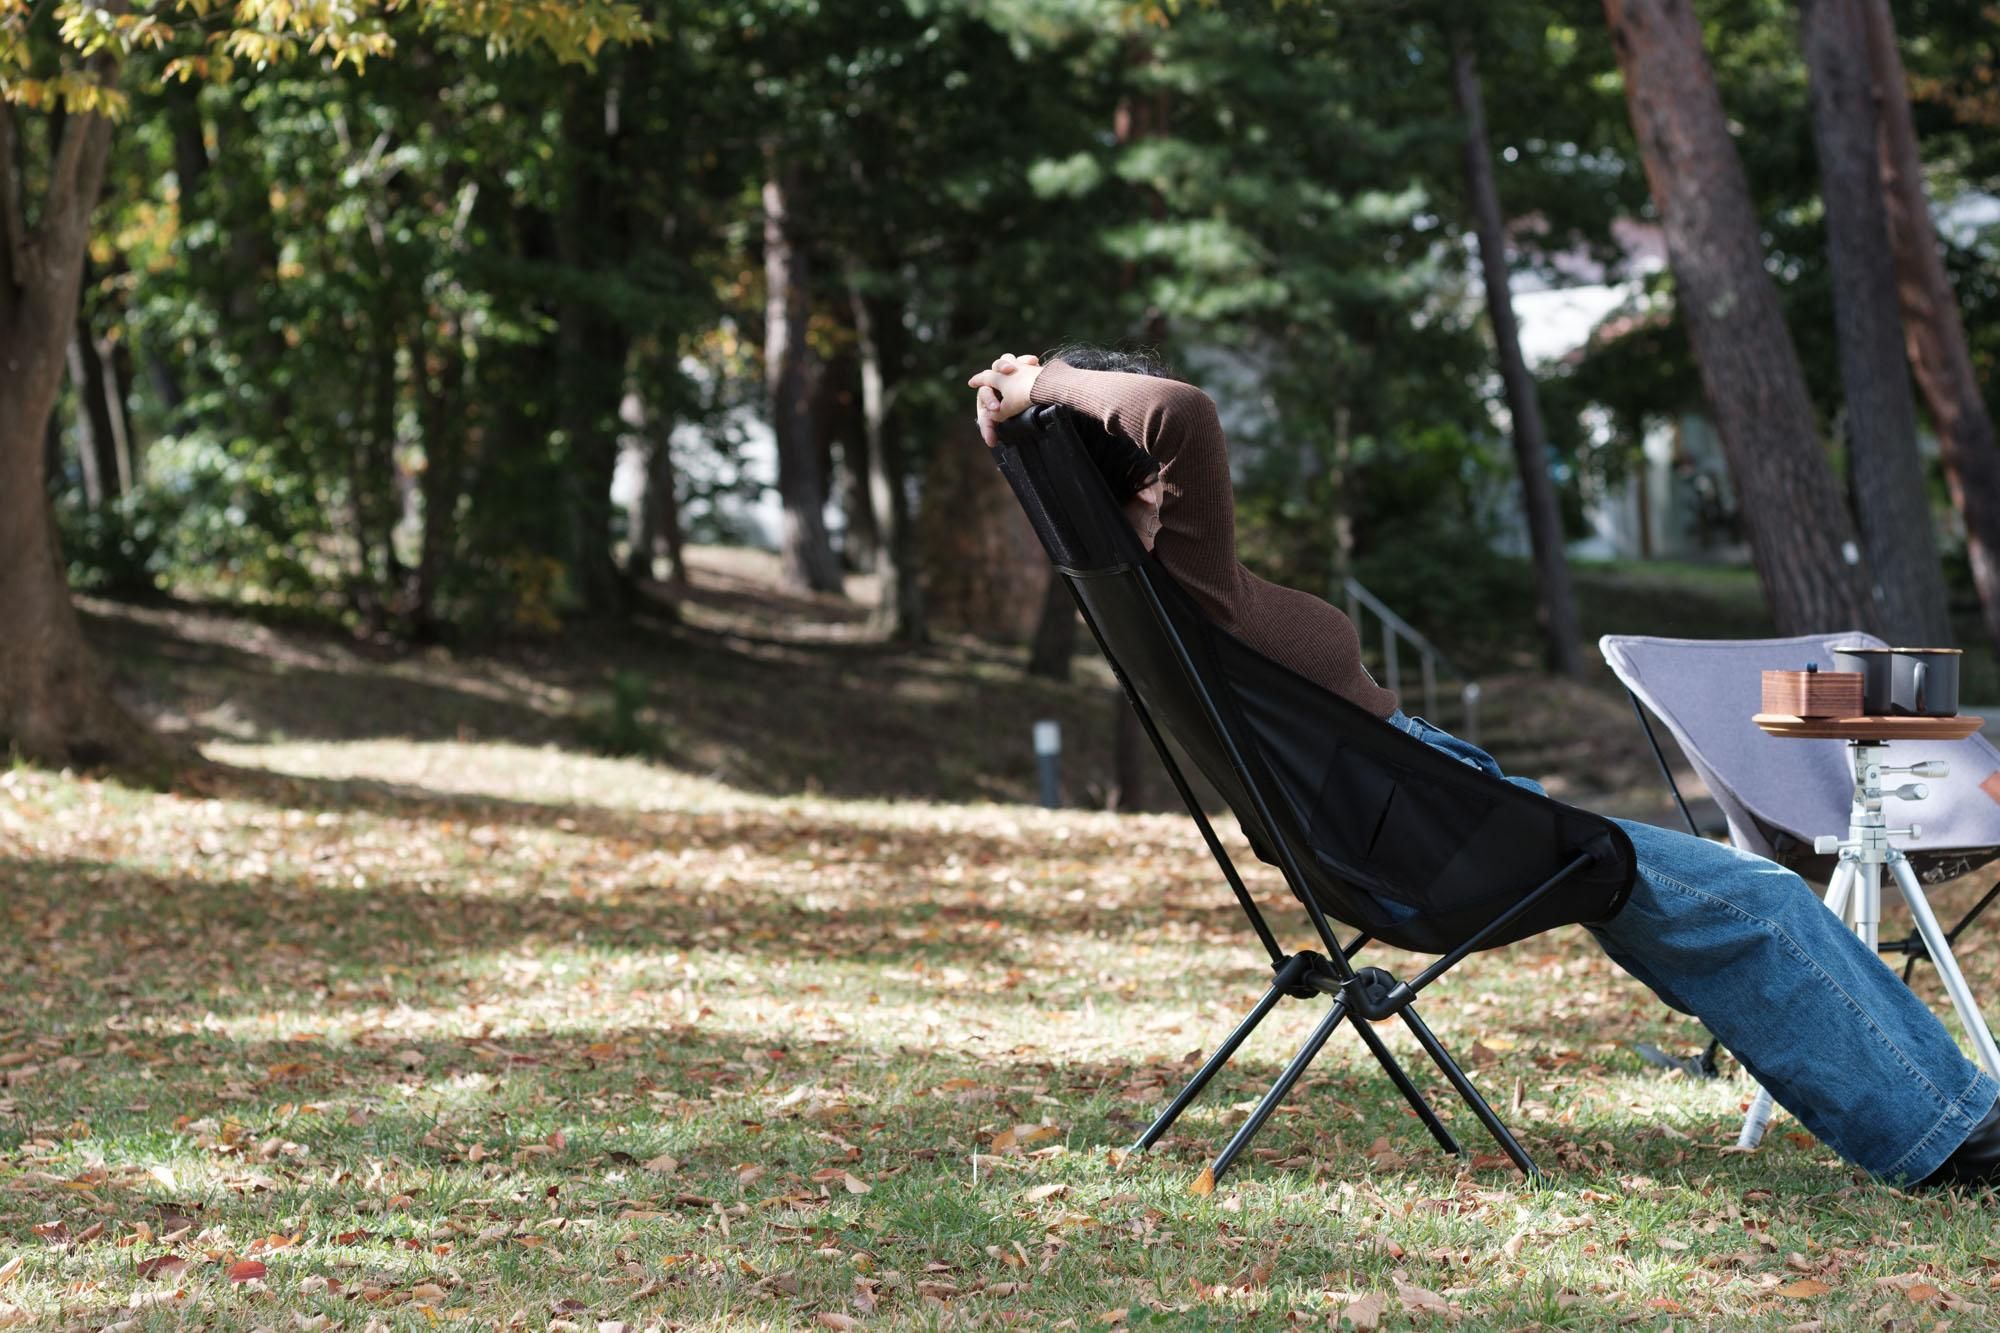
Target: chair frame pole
1359, 997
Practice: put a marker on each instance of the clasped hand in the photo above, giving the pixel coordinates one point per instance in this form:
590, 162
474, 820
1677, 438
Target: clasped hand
1003, 392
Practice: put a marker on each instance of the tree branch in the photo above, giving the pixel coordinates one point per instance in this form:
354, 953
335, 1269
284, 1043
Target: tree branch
76, 167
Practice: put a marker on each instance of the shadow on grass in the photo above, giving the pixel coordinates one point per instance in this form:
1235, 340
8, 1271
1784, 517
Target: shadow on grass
142, 942
846, 719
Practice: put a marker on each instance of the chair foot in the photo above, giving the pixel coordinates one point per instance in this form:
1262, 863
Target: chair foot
1470, 1094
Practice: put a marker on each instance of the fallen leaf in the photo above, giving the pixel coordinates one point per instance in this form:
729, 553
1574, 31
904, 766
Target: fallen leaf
854, 1183
167, 1264
246, 1270
1804, 1289
1421, 1300
829, 1319
1366, 1313
665, 1164
1041, 1192
1204, 1183
11, 1267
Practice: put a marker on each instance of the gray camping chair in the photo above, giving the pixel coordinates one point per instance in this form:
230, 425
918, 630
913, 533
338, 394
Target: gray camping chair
1780, 795
1779, 798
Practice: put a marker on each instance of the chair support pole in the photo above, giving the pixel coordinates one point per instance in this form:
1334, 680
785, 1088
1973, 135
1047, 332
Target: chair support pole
1394, 1069
1471, 1095
1287, 977
1280, 1089
1495, 926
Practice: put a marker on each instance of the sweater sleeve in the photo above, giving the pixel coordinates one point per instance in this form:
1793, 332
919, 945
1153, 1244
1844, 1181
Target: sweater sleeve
1162, 416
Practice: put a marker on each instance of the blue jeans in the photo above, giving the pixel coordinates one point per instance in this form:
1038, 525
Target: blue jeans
1744, 945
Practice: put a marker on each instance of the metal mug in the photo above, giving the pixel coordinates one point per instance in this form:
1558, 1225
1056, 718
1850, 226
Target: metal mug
1926, 683
1878, 674
1907, 682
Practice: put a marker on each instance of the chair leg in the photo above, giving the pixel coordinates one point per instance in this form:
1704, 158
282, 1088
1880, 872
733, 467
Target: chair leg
1442, 1058
1394, 1069
1287, 976
1279, 1090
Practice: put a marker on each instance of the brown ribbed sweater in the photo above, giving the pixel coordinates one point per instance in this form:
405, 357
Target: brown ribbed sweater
1177, 425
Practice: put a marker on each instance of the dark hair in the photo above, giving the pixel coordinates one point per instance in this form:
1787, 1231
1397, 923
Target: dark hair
1136, 361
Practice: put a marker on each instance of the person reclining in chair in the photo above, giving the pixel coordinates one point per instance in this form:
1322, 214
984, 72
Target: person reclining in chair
1731, 938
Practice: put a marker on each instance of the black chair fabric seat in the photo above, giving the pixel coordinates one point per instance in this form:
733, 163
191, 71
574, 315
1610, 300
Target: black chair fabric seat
1393, 837
1368, 825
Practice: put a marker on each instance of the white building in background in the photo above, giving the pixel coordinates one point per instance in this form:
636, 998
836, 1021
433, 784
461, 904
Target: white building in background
1675, 503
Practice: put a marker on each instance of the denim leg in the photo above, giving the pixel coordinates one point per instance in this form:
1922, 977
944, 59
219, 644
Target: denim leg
1746, 946
1810, 1011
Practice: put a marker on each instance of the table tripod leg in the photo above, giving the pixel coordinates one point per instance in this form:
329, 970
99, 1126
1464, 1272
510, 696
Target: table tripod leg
1839, 898
1756, 1120
1946, 962
1868, 903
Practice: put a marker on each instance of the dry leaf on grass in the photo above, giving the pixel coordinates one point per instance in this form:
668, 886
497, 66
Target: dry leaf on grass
1804, 1289
1421, 1300
1366, 1313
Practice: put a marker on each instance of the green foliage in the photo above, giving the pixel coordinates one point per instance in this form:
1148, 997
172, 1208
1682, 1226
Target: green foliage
233, 518
385, 273
115, 547
615, 725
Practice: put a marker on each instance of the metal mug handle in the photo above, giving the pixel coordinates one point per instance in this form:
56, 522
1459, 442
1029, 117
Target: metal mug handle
1917, 705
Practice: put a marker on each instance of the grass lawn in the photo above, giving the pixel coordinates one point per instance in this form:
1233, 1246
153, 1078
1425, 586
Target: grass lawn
442, 1029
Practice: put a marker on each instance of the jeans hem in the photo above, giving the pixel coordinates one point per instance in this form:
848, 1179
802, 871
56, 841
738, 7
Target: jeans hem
1926, 1153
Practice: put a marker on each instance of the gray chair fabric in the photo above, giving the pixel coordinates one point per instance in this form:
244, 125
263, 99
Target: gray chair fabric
1778, 794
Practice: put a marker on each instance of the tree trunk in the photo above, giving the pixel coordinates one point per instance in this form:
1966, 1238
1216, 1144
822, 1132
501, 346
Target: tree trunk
1801, 537
656, 517
55, 707
807, 555
96, 436
1933, 331
1892, 501
117, 360
442, 411
1055, 633
899, 609
593, 233
1556, 609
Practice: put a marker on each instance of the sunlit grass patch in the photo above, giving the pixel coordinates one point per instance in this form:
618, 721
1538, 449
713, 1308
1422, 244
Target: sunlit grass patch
499, 1036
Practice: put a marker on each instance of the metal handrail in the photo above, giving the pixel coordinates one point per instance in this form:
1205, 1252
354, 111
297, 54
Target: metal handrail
1430, 660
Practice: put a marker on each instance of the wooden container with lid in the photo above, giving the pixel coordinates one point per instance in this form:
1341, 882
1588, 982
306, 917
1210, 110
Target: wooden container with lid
1812, 693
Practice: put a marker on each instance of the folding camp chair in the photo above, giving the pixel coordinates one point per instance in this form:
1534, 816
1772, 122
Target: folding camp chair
1367, 824
1779, 798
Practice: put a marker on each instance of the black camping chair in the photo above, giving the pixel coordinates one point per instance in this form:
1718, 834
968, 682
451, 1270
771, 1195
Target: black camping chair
1368, 825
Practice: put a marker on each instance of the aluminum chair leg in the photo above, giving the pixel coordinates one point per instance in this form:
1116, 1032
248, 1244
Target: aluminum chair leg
1471, 1095
1394, 1069
1946, 962
1287, 977
1279, 1090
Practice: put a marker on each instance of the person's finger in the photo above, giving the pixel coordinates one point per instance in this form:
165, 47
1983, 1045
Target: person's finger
989, 378
989, 399
1029, 360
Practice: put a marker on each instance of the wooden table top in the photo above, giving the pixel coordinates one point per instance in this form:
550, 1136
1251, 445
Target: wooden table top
1870, 728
